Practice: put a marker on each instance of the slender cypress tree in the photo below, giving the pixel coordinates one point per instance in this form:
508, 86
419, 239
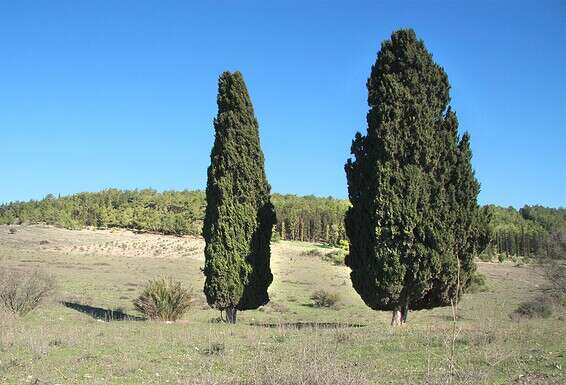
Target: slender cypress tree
239, 215
413, 222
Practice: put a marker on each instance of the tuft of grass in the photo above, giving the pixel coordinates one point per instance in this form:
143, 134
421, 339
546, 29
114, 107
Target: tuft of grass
164, 299
23, 291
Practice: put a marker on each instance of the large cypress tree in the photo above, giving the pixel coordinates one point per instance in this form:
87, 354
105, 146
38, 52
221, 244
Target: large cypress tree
239, 215
414, 221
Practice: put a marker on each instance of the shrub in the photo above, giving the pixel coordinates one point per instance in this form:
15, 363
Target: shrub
21, 292
164, 299
536, 308
312, 253
215, 348
336, 257
12, 230
476, 284
488, 254
555, 274
344, 245
322, 298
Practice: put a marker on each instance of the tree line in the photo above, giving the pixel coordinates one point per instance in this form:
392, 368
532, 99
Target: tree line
528, 231
299, 218
532, 231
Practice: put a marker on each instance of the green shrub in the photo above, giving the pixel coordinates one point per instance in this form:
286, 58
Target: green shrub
215, 348
476, 284
336, 257
537, 308
164, 299
23, 291
488, 255
322, 298
312, 253
344, 245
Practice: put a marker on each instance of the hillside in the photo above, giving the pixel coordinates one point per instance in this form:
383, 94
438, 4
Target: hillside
101, 270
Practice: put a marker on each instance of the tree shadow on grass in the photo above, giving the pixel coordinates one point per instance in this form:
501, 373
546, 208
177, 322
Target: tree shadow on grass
309, 325
102, 314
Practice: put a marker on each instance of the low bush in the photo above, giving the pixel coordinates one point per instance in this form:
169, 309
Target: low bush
312, 253
537, 308
476, 284
23, 291
214, 349
12, 230
164, 299
322, 298
336, 257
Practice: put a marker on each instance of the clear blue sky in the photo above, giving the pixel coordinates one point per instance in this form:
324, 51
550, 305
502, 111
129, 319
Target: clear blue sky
97, 94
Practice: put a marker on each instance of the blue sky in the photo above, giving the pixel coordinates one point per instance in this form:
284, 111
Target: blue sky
97, 94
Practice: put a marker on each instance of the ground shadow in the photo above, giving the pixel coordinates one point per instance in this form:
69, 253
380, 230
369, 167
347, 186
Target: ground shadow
309, 325
102, 314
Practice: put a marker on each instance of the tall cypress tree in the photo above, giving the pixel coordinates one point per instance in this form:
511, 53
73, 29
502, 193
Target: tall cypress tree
413, 222
239, 215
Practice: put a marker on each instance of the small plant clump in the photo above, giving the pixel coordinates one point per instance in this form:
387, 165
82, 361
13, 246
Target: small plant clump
312, 253
323, 298
12, 230
23, 291
336, 257
164, 299
536, 308
215, 349
476, 284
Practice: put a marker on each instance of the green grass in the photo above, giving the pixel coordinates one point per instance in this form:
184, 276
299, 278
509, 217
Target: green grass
59, 345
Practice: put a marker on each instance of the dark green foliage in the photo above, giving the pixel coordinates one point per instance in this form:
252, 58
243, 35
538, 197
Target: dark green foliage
414, 225
239, 215
164, 299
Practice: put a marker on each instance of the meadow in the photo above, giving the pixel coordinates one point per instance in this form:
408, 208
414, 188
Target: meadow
289, 341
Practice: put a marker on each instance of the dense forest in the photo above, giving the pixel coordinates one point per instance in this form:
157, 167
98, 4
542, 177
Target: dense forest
529, 231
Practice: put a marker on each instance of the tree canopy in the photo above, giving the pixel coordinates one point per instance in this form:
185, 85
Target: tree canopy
414, 222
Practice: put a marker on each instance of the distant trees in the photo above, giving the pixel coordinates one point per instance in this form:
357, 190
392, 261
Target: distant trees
514, 232
306, 218
414, 224
310, 218
169, 212
239, 215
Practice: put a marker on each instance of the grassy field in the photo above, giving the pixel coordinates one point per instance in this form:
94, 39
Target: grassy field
56, 344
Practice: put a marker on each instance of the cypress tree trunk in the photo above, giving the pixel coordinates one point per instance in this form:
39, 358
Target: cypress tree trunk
231, 315
396, 319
